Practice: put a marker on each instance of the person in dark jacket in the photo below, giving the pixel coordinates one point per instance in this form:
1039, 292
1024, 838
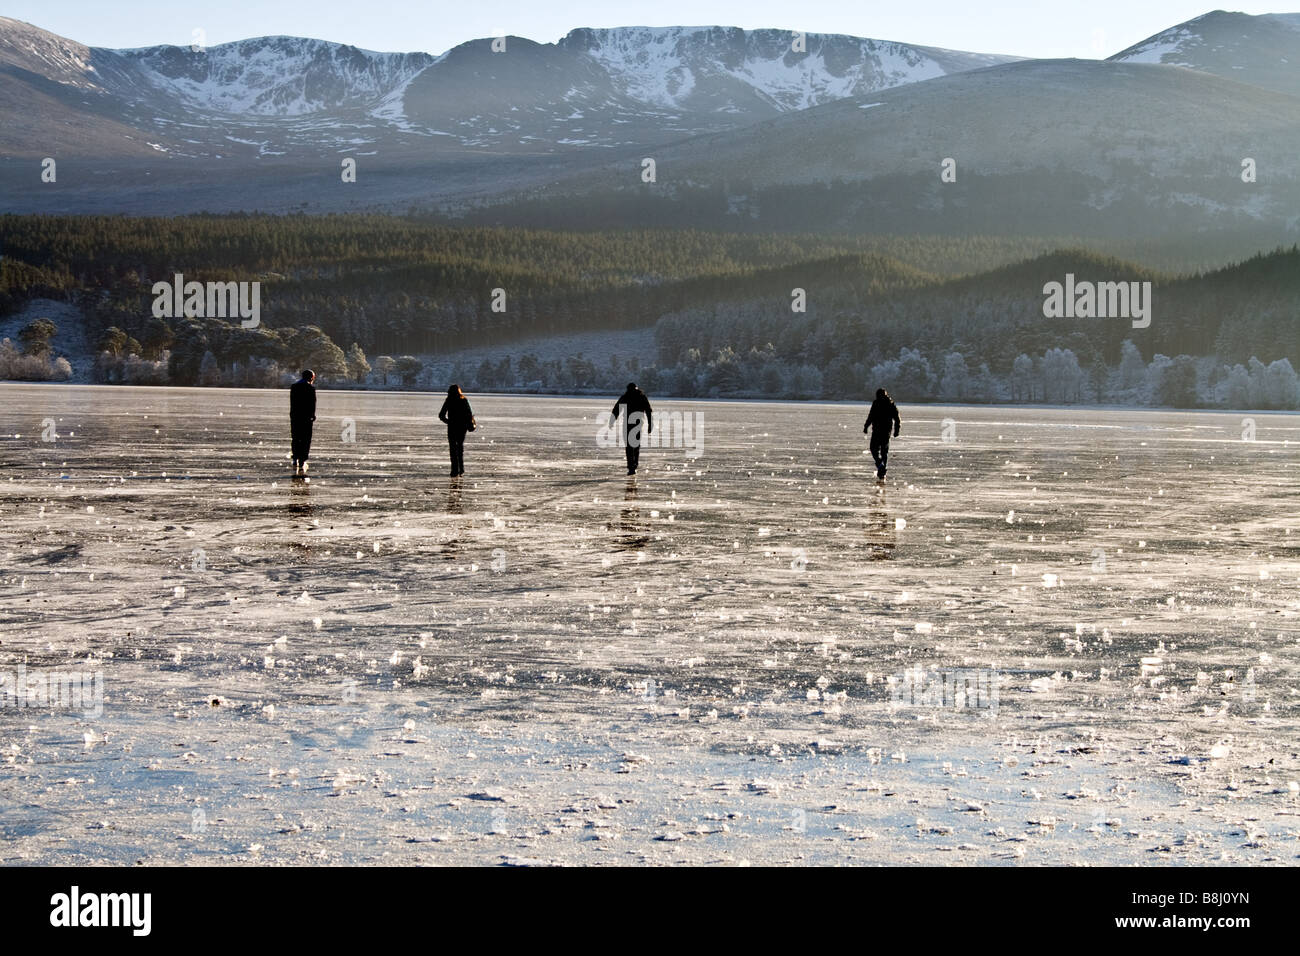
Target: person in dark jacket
459, 419
302, 412
637, 407
882, 417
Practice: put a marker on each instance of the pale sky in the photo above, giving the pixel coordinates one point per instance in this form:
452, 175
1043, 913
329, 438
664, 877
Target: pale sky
1032, 28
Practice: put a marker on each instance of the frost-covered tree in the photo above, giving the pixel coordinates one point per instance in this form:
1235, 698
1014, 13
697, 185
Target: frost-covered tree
313, 349
530, 370
408, 366
261, 373
840, 381
805, 382
1062, 378
1132, 369
1280, 386
156, 339
505, 375
1258, 394
908, 377
983, 385
1155, 374
358, 367
954, 384
770, 379
1177, 385
915, 378
141, 371
384, 365
209, 371
1022, 378
113, 341
1236, 387
37, 337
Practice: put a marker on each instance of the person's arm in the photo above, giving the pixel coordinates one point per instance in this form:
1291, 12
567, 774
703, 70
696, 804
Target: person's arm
613, 416
897, 421
442, 414
649, 418
313, 404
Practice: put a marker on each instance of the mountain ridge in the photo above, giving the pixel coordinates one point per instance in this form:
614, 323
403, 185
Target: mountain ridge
660, 83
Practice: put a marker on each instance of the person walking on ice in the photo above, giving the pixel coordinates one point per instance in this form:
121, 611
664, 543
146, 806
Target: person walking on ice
302, 412
882, 417
638, 411
459, 419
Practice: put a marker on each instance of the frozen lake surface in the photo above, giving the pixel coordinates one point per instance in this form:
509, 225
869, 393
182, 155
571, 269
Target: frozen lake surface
1060, 636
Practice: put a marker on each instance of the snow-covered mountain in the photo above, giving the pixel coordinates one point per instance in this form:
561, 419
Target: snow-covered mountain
273, 76
1260, 50
750, 129
640, 86
694, 67
627, 86
1080, 146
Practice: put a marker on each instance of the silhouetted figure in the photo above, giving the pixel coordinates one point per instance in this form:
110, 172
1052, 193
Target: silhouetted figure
302, 412
638, 415
459, 419
882, 417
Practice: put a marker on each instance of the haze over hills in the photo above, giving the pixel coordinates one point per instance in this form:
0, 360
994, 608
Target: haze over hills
747, 133
1084, 147
628, 86
878, 177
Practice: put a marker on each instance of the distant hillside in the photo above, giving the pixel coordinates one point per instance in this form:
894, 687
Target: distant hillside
1104, 149
1259, 50
278, 95
732, 315
750, 131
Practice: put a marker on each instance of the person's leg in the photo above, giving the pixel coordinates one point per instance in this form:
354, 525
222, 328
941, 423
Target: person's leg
451, 450
295, 429
875, 456
635, 435
884, 456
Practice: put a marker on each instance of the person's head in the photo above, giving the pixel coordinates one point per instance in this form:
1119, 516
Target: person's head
454, 391
308, 375
631, 386
881, 394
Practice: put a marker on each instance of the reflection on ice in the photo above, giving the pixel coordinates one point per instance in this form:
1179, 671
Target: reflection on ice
506, 618
882, 534
634, 532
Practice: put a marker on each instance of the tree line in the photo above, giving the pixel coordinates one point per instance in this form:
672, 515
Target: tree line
734, 315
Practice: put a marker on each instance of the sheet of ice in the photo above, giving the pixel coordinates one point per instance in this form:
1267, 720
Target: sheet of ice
745, 655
